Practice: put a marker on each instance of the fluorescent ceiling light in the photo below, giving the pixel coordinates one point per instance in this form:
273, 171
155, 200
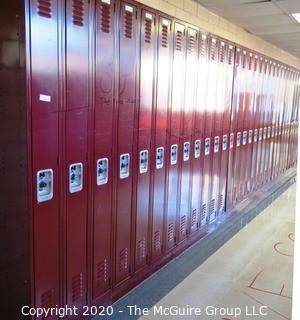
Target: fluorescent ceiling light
296, 16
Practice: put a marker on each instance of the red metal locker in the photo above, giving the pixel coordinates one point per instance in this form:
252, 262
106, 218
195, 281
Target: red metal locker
174, 132
160, 135
76, 146
45, 142
186, 142
209, 134
147, 64
125, 131
103, 138
199, 124
225, 143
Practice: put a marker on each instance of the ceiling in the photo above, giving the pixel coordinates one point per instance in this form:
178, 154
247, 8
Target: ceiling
268, 19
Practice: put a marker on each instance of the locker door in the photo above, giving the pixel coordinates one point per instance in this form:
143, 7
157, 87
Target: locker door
174, 132
160, 135
198, 143
148, 48
125, 129
45, 148
218, 125
225, 143
186, 134
209, 134
76, 142
102, 161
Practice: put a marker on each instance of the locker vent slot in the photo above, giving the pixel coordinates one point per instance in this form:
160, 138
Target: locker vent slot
46, 299
203, 211
78, 12
123, 266
213, 47
105, 17
220, 205
45, 8
77, 287
203, 45
230, 57
164, 36
141, 249
148, 30
222, 53
212, 206
171, 232
157, 240
183, 224
191, 44
194, 217
179, 40
102, 272
128, 24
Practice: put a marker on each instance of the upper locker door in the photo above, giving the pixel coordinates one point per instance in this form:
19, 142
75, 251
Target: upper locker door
224, 139
127, 91
198, 133
186, 141
76, 148
102, 161
174, 133
160, 134
147, 67
45, 150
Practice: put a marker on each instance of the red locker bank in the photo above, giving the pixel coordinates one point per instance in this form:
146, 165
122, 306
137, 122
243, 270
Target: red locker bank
124, 133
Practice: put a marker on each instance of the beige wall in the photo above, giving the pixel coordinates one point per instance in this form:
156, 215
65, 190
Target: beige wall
190, 11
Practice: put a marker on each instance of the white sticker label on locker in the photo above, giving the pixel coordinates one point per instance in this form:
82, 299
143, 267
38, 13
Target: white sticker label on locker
250, 136
224, 142
143, 161
159, 157
255, 135
197, 148
128, 8
102, 171
173, 156
44, 185
165, 22
260, 134
265, 133
45, 98
75, 177
244, 138
207, 146
269, 132
216, 144
238, 139
231, 144
124, 165
106, 1
186, 151
148, 16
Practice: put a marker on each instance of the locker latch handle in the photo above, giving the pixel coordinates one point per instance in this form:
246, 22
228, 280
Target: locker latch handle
144, 161
186, 151
197, 148
124, 165
159, 157
174, 149
75, 177
102, 171
44, 185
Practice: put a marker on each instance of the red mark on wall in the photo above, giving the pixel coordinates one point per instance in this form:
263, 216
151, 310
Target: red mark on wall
278, 247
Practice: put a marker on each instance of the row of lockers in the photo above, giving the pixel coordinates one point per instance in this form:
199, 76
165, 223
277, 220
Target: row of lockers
143, 130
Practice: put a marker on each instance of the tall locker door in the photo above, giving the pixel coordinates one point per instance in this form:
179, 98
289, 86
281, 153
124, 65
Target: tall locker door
45, 147
125, 128
254, 127
102, 161
174, 132
224, 142
76, 142
186, 136
218, 126
147, 64
160, 136
199, 123
233, 131
208, 135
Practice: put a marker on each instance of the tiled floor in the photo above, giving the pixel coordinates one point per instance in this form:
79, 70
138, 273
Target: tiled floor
253, 269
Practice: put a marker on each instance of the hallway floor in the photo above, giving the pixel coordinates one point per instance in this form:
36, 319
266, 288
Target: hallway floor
253, 269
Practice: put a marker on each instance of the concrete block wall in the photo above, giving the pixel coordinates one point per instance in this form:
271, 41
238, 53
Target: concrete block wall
192, 12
